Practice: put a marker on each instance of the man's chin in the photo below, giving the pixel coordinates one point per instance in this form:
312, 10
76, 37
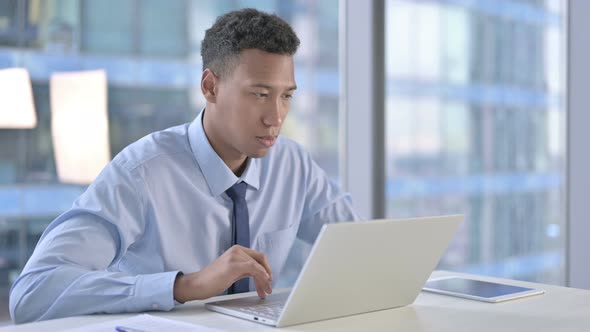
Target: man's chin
258, 153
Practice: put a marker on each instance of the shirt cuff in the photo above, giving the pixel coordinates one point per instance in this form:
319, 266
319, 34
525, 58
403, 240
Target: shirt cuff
155, 291
177, 275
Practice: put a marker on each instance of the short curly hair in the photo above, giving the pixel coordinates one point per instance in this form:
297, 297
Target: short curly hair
244, 29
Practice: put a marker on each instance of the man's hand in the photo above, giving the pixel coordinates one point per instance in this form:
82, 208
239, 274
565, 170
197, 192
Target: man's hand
236, 263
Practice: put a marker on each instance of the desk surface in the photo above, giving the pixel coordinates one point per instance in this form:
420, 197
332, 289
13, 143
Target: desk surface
559, 309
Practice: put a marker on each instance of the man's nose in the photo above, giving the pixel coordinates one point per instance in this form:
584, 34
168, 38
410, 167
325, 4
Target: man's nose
273, 117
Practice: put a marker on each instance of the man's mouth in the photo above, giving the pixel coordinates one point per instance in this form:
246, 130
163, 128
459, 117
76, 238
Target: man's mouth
266, 141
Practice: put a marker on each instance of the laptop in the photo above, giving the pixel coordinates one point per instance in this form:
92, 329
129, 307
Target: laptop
354, 268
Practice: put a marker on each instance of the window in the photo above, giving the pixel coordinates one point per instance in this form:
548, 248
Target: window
475, 124
128, 27
8, 27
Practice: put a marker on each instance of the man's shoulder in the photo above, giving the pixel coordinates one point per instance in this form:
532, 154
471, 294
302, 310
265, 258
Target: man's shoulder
168, 143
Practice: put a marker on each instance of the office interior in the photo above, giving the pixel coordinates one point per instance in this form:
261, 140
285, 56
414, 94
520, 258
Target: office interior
421, 108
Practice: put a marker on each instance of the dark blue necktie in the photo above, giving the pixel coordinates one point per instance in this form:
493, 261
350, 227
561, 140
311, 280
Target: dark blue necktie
240, 229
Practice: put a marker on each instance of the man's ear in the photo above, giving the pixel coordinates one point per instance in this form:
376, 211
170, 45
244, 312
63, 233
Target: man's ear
209, 87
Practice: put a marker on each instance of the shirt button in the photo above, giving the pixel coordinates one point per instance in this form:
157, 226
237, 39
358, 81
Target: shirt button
155, 306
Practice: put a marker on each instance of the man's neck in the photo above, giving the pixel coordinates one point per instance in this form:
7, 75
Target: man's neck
236, 163
240, 169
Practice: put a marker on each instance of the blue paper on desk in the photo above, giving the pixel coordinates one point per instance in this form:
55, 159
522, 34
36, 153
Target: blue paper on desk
144, 323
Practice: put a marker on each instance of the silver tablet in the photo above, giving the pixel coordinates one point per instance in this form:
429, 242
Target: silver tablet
478, 290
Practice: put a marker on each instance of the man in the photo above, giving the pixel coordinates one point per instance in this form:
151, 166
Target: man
192, 211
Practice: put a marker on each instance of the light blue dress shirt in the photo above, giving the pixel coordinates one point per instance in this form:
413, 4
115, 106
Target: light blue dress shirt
159, 207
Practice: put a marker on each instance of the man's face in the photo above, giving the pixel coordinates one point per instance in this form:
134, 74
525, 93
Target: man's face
251, 104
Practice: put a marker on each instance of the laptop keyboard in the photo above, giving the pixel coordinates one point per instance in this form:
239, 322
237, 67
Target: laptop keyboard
269, 310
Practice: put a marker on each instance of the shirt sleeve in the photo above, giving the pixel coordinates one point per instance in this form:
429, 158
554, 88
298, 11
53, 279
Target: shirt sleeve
70, 271
325, 202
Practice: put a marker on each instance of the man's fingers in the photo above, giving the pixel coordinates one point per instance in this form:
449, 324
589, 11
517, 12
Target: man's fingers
262, 288
251, 263
260, 258
265, 283
252, 268
261, 277
259, 289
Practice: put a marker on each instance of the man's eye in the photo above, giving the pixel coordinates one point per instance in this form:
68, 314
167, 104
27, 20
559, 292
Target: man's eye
288, 96
261, 95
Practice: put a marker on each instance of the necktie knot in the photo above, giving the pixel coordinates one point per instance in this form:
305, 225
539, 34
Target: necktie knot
237, 191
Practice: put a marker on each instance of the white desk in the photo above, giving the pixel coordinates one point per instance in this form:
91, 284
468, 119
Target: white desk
559, 309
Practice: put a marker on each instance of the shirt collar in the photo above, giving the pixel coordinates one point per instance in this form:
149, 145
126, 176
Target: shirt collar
218, 176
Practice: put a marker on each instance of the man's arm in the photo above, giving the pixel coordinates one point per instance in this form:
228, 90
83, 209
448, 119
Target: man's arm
67, 275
